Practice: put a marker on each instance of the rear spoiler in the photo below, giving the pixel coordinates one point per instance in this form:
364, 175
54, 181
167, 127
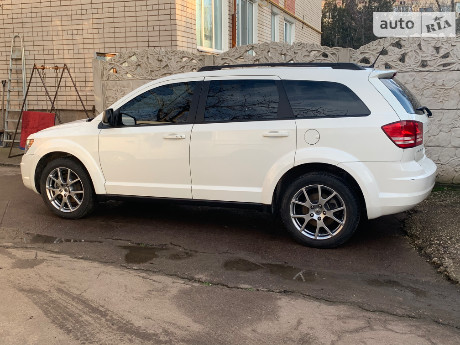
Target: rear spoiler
383, 74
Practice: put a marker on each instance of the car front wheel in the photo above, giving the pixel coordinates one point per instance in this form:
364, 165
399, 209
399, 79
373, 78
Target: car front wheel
320, 210
66, 188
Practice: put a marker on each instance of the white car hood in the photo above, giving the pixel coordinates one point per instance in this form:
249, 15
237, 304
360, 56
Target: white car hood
77, 123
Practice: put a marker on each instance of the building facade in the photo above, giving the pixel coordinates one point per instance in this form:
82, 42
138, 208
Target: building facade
73, 31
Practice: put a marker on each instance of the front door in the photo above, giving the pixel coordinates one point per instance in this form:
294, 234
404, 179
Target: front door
148, 154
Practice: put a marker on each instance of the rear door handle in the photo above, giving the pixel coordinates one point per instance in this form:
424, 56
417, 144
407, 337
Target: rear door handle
276, 134
174, 136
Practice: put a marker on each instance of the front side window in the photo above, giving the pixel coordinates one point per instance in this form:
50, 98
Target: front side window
245, 22
209, 24
241, 100
323, 99
403, 95
164, 104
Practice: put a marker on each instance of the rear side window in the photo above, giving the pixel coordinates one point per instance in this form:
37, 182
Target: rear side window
241, 100
403, 95
323, 99
161, 105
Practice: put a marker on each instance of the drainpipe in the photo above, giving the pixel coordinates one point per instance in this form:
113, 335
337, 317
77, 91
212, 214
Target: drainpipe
3, 104
234, 25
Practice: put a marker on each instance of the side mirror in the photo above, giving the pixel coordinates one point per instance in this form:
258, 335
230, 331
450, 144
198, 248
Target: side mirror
111, 117
108, 113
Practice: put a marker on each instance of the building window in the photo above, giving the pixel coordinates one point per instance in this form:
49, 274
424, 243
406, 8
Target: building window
275, 27
288, 32
246, 22
211, 24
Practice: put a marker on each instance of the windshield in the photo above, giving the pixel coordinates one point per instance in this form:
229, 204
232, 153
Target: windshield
403, 95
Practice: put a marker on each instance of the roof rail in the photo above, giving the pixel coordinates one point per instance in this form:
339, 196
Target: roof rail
338, 65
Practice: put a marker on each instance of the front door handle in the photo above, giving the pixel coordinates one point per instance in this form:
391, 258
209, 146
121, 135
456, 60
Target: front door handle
276, 134
174, 136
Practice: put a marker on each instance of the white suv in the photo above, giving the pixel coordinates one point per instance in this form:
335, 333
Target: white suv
324, 145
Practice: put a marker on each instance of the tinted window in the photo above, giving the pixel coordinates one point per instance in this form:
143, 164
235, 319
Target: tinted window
320, 98
164, 104
241, 100
404, 96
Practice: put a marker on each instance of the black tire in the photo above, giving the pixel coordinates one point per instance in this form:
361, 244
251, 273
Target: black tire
74, 193
311, 218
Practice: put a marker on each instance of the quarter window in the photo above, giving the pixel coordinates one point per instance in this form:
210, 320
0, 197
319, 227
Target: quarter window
164, 104
403, 95
323, 99
241, 100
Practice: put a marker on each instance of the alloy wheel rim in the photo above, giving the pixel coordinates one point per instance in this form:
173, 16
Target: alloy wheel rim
318, 212
64, 189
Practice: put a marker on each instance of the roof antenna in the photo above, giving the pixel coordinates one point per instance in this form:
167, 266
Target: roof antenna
373, 64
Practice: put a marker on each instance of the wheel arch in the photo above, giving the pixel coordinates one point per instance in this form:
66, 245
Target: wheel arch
88, 164
305, 168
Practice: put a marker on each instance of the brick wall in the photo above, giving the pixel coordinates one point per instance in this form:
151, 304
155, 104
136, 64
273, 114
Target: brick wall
290, 5
308, 10
264, 23
186, 24
71, 31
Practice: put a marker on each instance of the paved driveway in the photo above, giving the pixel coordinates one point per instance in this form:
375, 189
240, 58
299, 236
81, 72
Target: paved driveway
211, 275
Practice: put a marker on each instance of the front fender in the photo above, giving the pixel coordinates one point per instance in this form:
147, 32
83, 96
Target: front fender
87, 155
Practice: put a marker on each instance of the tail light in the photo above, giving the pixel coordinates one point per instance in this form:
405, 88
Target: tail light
405, 134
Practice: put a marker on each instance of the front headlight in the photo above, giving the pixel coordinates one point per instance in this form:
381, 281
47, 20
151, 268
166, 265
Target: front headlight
29, 143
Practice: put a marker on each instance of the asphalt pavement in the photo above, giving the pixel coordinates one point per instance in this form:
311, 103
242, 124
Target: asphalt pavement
158, 272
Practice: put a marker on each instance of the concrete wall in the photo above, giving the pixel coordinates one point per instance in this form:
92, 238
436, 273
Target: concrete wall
430, 68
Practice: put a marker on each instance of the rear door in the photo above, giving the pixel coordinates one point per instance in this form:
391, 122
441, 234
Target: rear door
242, 131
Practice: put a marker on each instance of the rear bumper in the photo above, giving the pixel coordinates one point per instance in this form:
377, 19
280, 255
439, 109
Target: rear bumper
398, 186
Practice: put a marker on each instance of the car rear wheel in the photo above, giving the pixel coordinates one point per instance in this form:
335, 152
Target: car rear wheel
66, 189
320, 210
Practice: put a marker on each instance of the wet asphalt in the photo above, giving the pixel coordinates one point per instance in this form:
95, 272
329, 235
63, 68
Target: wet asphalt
378, 270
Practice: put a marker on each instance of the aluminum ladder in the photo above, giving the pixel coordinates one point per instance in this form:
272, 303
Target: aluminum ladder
16, 90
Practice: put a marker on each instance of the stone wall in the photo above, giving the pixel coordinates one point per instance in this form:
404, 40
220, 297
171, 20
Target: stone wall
430, 68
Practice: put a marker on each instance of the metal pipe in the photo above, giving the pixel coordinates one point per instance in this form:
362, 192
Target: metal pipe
234, 25
3, 102
20, 114
46, 91
57, 89
78, 93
